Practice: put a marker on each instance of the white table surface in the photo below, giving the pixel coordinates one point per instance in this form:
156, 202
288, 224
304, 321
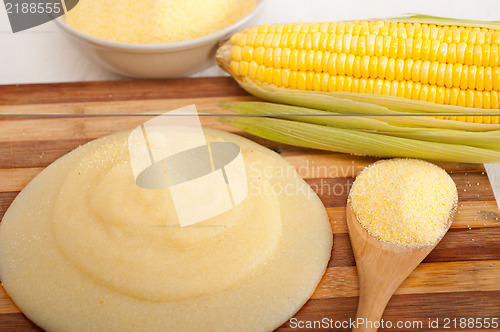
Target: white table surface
42, 55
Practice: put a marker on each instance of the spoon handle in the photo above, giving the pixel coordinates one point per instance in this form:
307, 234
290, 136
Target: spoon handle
381, 267
373, 298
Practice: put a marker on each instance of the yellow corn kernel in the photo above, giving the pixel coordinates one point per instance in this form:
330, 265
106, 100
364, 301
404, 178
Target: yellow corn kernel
261, 74
310, 56
256, 54
277, 61
235, 67
317, 61
243, 68
268, 57
341, 59
236, 53
252, 69
324, 82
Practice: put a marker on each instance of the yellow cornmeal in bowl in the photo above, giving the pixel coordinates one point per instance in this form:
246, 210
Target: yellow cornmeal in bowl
404, 201
155, 21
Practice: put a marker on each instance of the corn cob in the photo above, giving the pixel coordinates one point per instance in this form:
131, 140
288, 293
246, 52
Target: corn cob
402, 66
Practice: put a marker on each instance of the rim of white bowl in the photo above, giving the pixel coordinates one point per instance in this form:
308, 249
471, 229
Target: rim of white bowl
173, 46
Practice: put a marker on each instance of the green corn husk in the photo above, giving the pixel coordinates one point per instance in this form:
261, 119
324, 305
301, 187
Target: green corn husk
367, 104
357, 142
387, 125
421, 18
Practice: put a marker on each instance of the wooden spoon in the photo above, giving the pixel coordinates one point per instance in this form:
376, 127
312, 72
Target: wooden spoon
382, 267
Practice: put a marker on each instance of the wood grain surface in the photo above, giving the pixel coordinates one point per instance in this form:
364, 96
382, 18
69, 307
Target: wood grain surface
459, 279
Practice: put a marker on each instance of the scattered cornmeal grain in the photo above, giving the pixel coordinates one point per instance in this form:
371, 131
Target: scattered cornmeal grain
155, 21
404, 201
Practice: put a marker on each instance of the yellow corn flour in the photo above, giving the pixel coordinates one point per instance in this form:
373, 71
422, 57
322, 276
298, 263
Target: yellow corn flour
404, 201
155, 21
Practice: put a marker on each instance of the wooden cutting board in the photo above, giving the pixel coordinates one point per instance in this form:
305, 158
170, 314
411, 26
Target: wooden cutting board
459, 279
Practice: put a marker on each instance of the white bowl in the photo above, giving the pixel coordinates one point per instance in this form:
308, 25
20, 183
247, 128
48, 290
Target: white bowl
155, 60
